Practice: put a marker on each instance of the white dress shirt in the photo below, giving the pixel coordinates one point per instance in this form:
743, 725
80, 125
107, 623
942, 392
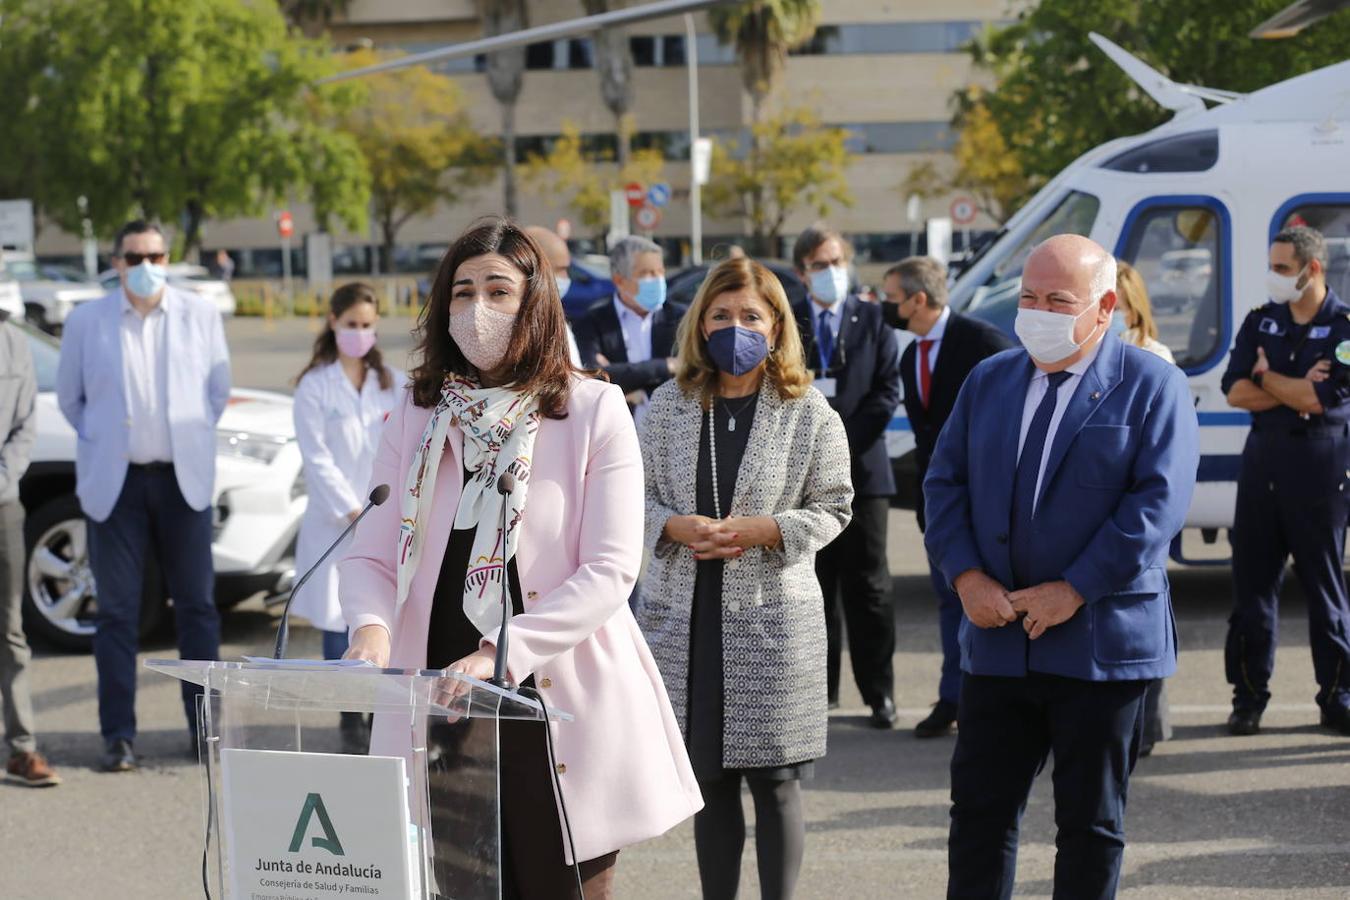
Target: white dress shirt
1040, 382
145, 377
637, 341
935, 335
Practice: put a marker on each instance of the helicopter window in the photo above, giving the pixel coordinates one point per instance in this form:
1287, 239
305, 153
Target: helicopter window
1177, 251
1333, 220
1194, 152
995, 301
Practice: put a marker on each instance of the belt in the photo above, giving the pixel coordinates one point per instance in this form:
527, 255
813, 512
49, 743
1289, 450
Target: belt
1301, 430
152, 467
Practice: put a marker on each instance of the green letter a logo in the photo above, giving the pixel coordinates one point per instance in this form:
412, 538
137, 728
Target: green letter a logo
314, 806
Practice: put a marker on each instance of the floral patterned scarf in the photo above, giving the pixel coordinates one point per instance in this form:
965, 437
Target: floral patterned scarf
498, 423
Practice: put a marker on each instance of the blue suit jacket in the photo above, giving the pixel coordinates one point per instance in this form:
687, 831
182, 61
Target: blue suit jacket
90, 388
1115, 492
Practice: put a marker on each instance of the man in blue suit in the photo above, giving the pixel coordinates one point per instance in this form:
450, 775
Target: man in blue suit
1055, 489
144, 377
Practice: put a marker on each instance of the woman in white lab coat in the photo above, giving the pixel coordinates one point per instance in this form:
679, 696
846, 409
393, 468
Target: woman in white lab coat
342, 398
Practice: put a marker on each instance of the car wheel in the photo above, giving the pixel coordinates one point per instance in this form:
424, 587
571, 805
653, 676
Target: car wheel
60, 597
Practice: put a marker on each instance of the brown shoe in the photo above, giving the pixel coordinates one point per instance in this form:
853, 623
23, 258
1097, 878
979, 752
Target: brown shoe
32, 770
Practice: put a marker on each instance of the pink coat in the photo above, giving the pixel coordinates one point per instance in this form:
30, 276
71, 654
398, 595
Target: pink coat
627, 774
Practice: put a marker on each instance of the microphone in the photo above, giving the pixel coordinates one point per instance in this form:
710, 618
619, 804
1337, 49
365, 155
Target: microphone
377, 496
505, 485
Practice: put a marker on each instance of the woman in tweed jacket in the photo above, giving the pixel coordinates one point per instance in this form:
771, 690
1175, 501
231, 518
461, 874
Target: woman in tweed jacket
747, 471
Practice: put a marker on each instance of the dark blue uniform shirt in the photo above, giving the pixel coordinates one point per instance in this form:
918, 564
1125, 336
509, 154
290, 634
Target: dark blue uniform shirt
1292, 350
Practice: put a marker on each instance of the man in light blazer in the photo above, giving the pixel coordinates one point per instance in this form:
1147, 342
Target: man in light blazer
1055, 490
143, 379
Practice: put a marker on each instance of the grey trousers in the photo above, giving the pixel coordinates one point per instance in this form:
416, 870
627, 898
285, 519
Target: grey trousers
14, 652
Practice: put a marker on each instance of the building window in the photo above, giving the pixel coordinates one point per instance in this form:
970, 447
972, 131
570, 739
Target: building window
643, 48
890, 37
899, 137
539, 56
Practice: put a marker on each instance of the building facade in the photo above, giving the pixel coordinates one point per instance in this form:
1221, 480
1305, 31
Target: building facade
885, 70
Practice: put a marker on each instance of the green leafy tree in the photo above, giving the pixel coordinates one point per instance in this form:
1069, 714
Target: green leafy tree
981, 164
313, 16
180, 111
1058, 95
25, 52
793, 161
763, 31
575, 180
421, 152
506, 76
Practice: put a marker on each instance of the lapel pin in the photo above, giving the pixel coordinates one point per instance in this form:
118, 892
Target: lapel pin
1096, 395
854, 319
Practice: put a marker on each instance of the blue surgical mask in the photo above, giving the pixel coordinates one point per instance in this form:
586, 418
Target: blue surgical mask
564, 285
829, 286
147, 279
737, 350
651, 293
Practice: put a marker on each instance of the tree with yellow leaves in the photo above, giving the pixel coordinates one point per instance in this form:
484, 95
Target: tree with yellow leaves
983, 165
581, 181
419, 147
791, 160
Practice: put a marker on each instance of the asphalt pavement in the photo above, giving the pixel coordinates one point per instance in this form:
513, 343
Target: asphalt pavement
1210, 816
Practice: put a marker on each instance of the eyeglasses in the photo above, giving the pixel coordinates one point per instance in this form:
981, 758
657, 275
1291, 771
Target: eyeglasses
135, 259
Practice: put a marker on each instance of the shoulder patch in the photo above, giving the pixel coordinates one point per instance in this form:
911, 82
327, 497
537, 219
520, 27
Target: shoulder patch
1343, 353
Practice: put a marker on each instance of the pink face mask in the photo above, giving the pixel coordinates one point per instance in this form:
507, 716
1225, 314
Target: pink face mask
355, 342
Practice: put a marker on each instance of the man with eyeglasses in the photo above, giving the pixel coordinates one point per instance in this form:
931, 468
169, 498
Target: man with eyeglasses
144, 378
856, 359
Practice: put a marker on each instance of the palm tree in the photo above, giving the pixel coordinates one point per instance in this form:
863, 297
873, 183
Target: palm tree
763, 31
506, 73
614, 62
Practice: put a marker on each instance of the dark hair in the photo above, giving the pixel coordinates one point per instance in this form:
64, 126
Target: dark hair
922, 273
536, 357
1308, 244
135, 226
810, 240
325, 345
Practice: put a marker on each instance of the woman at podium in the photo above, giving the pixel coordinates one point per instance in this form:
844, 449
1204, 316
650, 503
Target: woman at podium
494, 392
747, 477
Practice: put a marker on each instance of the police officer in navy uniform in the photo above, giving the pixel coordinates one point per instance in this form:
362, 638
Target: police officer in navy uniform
1290, 367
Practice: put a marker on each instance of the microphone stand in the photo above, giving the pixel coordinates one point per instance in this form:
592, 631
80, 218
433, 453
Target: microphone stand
505, 485
377, 496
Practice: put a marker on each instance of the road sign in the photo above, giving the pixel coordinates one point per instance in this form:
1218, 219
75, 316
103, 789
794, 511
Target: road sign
635, 193
647, 218
16, 223
285, 224
659, 195
963, 211
700, 158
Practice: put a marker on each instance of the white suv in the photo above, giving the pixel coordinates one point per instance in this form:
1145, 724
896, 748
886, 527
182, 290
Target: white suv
260, 496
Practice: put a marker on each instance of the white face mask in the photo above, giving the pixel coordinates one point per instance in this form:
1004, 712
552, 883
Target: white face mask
564, 285
829, 286
1048, 336
1284, 288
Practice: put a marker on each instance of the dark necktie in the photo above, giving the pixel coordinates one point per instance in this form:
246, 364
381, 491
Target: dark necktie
925, 372
825, 340
1024, 484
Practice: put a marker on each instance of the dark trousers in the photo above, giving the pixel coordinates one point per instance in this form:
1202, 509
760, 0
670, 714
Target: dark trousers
150, 516
1006, 728
1291, 501
950, 613
853, 575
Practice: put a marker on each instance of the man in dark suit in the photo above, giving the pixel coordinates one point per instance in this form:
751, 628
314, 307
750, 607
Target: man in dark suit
932, 369
856, 359
631, 336
1057, 485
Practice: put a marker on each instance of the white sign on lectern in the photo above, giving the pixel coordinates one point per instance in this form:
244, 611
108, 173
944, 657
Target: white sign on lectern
317, 825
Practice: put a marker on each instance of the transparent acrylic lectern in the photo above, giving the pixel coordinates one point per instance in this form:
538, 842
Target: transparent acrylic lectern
445, 729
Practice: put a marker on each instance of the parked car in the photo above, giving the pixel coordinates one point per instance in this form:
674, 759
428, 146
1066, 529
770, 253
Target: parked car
11, 299
260, 496
47, 301
188, 277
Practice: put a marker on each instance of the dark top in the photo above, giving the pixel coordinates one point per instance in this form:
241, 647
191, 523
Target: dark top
599, 332
1292, 350
966, 343
706, 684
866, 369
